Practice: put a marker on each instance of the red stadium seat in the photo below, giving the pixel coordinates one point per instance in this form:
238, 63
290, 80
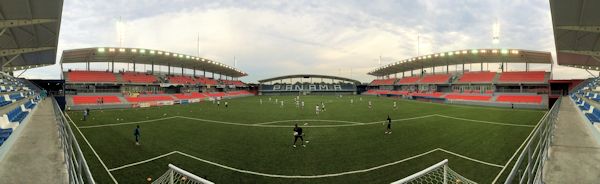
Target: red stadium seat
435, 79
94, 99
149, 98
136, 77
91, 76
379, 82
207, 81
538, 76
190, 95
520, 98
181, 80
468, 97
477, 77
409, 80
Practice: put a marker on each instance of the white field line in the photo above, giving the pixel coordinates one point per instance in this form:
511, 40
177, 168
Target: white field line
141, 162
471, 159
517, 151
474, 106
127, 123
268, 124
304, 176
92, 148
310, 120
488, 122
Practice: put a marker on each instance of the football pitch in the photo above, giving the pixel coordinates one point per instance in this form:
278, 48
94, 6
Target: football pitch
250, 142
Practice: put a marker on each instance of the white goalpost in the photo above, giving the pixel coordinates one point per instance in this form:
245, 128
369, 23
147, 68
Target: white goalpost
176, 175
438, 173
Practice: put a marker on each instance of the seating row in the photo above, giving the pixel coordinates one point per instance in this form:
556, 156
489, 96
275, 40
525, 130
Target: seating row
468, 77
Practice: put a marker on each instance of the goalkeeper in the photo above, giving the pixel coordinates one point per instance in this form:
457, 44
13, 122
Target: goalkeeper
298, 135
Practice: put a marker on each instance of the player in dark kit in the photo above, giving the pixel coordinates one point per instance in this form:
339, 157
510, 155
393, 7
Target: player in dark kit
298, 134
388, 130
136, 133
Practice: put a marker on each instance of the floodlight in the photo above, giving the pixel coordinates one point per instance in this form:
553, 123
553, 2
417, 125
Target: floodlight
181, 55
456, 52
504, 51
152, 52
429, 56
202, 59
121, 50
442, 54
134, 50
100, 49
474, 51
436, 55
111, 50
450, 53
514, 52
167, 54
142, 51
482, 51
495, 51
464, 52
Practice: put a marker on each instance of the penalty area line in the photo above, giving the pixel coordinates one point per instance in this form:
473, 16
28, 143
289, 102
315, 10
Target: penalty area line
304, 176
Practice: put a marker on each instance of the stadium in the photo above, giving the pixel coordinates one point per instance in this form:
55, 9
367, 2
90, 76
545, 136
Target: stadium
140, 113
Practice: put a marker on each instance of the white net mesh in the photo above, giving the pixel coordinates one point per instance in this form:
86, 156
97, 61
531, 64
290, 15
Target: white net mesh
176, 175
438, 173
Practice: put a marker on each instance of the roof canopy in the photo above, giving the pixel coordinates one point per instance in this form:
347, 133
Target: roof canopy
464, 57
147, 56
308, 76
576, 26
28, 33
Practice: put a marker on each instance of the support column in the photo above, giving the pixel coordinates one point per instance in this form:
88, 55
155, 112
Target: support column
433, 70
447, 68
169, 68
112, 68
194, 69
152, 67
181, 70
134, 66
481, 67
463, 68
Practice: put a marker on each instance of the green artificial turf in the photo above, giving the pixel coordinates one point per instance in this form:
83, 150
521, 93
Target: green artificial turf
231, 139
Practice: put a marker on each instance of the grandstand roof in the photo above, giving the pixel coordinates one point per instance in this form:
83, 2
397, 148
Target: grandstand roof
464, 57
577, 33
29, 33
147, 56
308, 76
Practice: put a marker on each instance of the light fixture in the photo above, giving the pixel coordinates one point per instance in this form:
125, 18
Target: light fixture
100, 49
514, 51
495, 51
504, 51
464, 52
474, 51
121, 50
482, 51
111, 50
142, 51
134, 50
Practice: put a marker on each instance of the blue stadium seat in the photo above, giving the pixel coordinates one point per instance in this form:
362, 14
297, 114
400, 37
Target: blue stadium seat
16, 115
594, 117
29, 105
585, 107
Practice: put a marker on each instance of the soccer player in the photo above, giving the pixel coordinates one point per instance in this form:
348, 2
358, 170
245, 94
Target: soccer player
261, 101
226, 104
298, 134
395, 107
352, 101
388, 130
218, 103
297, 104
322, 107
85, 114
136, 133
302, 103
370, 105
281, 103
317, 110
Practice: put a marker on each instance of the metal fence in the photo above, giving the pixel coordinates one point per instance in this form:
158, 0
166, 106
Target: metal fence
529, 166
77, 168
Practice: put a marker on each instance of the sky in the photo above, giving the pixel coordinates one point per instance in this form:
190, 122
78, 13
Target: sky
273, 38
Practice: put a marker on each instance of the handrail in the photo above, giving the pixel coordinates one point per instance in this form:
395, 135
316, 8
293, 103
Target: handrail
77, 167
529, 166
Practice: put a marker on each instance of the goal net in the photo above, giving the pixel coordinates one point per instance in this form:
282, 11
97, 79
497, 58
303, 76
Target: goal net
438, 173
176, 175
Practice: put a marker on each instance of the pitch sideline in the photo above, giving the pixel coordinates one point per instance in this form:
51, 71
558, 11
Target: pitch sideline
93, 150
268, 124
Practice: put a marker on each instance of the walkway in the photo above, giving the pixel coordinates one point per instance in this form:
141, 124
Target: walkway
574, 153
36, 156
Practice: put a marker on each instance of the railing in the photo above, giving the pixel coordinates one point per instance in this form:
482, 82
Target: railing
529, 166
77, 167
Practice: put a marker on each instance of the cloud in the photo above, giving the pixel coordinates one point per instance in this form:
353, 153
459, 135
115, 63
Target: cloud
271, 38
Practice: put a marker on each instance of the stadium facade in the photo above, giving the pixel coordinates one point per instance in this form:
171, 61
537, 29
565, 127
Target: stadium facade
307, 84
